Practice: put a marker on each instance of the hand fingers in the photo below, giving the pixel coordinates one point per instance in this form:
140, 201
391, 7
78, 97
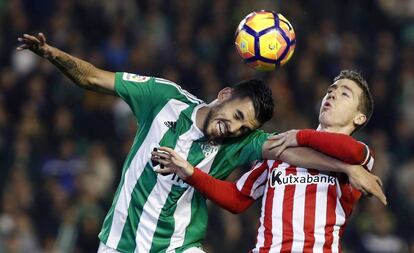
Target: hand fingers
275, 144
295, 131
377, 192
171, 152
163, 155
26, 44
168, 150
280, 151
276, 136
380, 195
161, 161
177, 160
42, 38
164, 171
22, 47
24, 40
31, 38
378, 180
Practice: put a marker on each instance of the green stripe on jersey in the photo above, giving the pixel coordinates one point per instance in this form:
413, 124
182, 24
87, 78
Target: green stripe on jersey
107, 224
196, 230
145, 186
166, 221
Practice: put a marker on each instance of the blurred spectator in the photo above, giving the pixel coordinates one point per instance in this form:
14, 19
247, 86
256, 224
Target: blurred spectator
378, 226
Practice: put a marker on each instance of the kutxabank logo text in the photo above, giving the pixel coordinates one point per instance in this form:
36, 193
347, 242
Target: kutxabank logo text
277, 178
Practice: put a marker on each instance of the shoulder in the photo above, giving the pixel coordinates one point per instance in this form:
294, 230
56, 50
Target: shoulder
130, 77
173, 89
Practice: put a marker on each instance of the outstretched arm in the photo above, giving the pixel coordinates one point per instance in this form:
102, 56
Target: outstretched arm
82, 73
340, 146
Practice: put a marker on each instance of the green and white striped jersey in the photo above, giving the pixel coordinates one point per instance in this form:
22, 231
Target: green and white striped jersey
156, 213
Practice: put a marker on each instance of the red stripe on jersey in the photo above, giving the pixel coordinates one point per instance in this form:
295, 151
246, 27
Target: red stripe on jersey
330, 218
309, 220
348, 199
251, 179
349, 195
287, 215
268, 235
313, 172
267, 220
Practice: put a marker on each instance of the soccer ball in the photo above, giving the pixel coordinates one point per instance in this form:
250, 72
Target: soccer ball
265, 40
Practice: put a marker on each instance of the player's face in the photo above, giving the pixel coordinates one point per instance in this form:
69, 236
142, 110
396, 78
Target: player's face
231, 118
339, 107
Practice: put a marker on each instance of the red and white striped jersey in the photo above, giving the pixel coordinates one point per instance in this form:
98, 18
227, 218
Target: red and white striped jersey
303, 210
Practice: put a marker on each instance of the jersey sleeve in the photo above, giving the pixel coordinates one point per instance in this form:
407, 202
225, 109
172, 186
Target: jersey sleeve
252, 147
237, 152
253, 182
137, 91
339, 146
223, 193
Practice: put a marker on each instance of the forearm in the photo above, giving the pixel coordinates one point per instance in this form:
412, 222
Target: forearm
82, 73
223, 193
309, 158
339, 146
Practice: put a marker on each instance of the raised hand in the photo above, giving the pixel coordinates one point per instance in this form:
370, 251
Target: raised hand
171, 163
37, 44
278, 143
368, 183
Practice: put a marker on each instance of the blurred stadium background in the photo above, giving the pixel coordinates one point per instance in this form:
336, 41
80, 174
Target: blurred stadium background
61, 148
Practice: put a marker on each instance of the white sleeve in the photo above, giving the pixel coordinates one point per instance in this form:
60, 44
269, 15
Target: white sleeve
369, 159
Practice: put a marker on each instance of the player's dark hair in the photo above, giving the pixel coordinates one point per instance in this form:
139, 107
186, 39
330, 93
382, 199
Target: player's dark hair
366, 102
260, 94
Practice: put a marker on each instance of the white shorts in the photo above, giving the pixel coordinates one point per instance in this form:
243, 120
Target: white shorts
105, 249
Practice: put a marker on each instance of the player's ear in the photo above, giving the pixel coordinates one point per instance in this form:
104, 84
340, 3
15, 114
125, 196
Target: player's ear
360, 119
224, 94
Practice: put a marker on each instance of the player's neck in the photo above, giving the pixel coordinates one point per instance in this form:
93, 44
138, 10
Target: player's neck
334, 129
201, 117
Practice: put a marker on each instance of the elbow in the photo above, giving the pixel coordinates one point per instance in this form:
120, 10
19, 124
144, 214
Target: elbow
240, 208
236, 211
92, 80
92, 76
357, 156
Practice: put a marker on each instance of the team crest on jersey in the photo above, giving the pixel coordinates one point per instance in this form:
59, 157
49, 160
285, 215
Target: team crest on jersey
208, 149
135, 78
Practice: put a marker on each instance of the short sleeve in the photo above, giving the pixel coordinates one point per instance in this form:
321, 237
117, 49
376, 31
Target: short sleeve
253, 146
145, 94
253, 182
238, 151
137, 91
